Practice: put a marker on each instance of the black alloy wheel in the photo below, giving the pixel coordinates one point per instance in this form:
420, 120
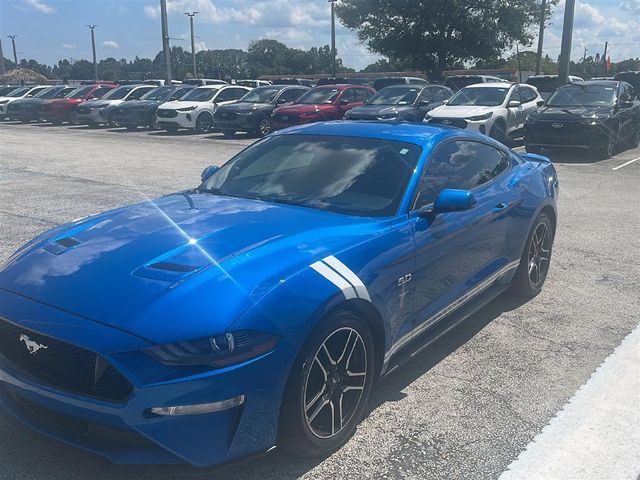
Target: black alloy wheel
264, 127
204, 123
536, 258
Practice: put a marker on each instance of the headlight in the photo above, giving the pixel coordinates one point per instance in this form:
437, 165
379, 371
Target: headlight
186, 109
217, 351
479, 118
388, 116
2, 102
593, 119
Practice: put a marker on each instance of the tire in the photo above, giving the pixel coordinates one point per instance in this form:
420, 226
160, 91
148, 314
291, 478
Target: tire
264, 127
204, 123
110, 122
499, 131
228, 133
536, 258
313, 431
170, 129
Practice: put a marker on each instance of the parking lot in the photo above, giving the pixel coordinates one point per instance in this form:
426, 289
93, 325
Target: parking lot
464, 408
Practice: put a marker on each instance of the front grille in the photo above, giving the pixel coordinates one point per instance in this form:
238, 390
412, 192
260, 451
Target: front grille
167, 113
60, 364
450, 122
286, 118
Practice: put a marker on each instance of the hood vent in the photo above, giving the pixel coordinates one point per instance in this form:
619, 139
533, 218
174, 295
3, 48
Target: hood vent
173, 267
61, 245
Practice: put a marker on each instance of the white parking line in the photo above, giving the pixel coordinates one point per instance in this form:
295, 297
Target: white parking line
596, 435
625, 164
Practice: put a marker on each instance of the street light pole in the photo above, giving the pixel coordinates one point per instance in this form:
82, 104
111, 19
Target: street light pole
193, 43
333, 37
165, 41
567, 36
93, 47
3, 68
15, 55
543, 18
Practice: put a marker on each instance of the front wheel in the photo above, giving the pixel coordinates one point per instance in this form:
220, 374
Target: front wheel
329, 387
499, 132
536, 258
264, 127
204, 123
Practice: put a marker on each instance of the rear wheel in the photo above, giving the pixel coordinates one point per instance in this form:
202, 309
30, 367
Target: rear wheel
204, 123
534, 263
329, 386
264, 127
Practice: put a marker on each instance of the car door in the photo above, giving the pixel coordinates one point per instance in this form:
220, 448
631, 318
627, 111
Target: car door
625, 111
515, 115
458, 252
530, 100
424, 103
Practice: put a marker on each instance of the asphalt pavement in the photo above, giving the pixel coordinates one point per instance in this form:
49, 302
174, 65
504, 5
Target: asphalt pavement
464, 408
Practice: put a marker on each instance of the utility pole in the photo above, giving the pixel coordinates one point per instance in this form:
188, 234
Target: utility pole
543, 19
604, 57
3, 68
193, 43
333, 37
165, 41
519, 66
15, 55
584, 58
567, 37
93, 47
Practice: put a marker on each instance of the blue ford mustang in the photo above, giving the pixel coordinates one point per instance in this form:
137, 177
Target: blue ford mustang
259, 308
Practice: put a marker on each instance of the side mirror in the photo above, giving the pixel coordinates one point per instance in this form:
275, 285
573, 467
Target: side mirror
514, 104
207, 172
424, 103
450, 200
281, 101
540, 103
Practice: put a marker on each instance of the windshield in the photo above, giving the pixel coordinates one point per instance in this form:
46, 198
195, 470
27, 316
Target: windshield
583, 96
6, 90
200, 95
456, 83
479, 96
118, 93
261, 95
395, 96
19, 92
548, 84
356, 176
80, 92
319, 95
48, 92
158, 94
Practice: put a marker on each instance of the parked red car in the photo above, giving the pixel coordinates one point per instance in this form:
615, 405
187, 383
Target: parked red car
63, 109
328, 102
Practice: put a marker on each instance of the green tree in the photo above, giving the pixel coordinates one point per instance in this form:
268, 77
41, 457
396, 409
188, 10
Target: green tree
435, 34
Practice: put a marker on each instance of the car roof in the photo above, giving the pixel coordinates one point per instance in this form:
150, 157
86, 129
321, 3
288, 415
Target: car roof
492, 85
417, 133
608, 83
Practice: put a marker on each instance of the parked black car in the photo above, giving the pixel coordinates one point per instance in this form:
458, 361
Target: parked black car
252, 113
547, 84
401, 102
383, 82
632, 78
142, 113
595, 115
28, 109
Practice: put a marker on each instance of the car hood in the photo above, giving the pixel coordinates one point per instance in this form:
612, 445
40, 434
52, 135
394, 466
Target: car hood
97, 103
146, 267
299, 108
245, 107
186, 104
570, 113
62, 101
139, 105
375, 111
462, 111
27, 102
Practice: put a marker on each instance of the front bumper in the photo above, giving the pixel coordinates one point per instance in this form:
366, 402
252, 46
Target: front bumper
126, 432
569, 135
92, 116
132, 118
481, 126
285, 121
235, 121
181, 120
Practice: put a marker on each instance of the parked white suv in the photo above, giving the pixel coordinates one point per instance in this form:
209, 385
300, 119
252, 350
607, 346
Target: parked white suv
195, 110
495, 109
22, 92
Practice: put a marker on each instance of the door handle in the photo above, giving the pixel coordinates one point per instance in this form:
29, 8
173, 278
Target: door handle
500, 207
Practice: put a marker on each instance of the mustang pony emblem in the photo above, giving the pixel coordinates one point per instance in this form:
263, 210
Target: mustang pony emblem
32, 346
557, 125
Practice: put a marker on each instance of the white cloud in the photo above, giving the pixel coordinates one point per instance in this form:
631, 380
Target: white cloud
39, 6
68, 46
110, 44
200, 46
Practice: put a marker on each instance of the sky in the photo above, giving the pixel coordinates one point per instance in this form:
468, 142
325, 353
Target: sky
49, 30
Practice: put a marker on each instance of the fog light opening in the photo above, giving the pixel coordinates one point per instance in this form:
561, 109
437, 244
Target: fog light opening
199, 409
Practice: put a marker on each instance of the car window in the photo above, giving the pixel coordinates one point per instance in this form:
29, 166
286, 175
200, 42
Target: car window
439, 94
35, 91
360, 95
427, 95
462, 164
179, 93
515, 95
137, 93
292, 94
348, 95
99, 92
527, 94
226, 95
626, 93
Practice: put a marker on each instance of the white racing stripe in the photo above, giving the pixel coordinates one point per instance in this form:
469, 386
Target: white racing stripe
596, 436
346, 288
625, 164
351, 277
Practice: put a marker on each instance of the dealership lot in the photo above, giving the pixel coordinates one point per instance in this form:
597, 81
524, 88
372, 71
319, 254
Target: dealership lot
464, 408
